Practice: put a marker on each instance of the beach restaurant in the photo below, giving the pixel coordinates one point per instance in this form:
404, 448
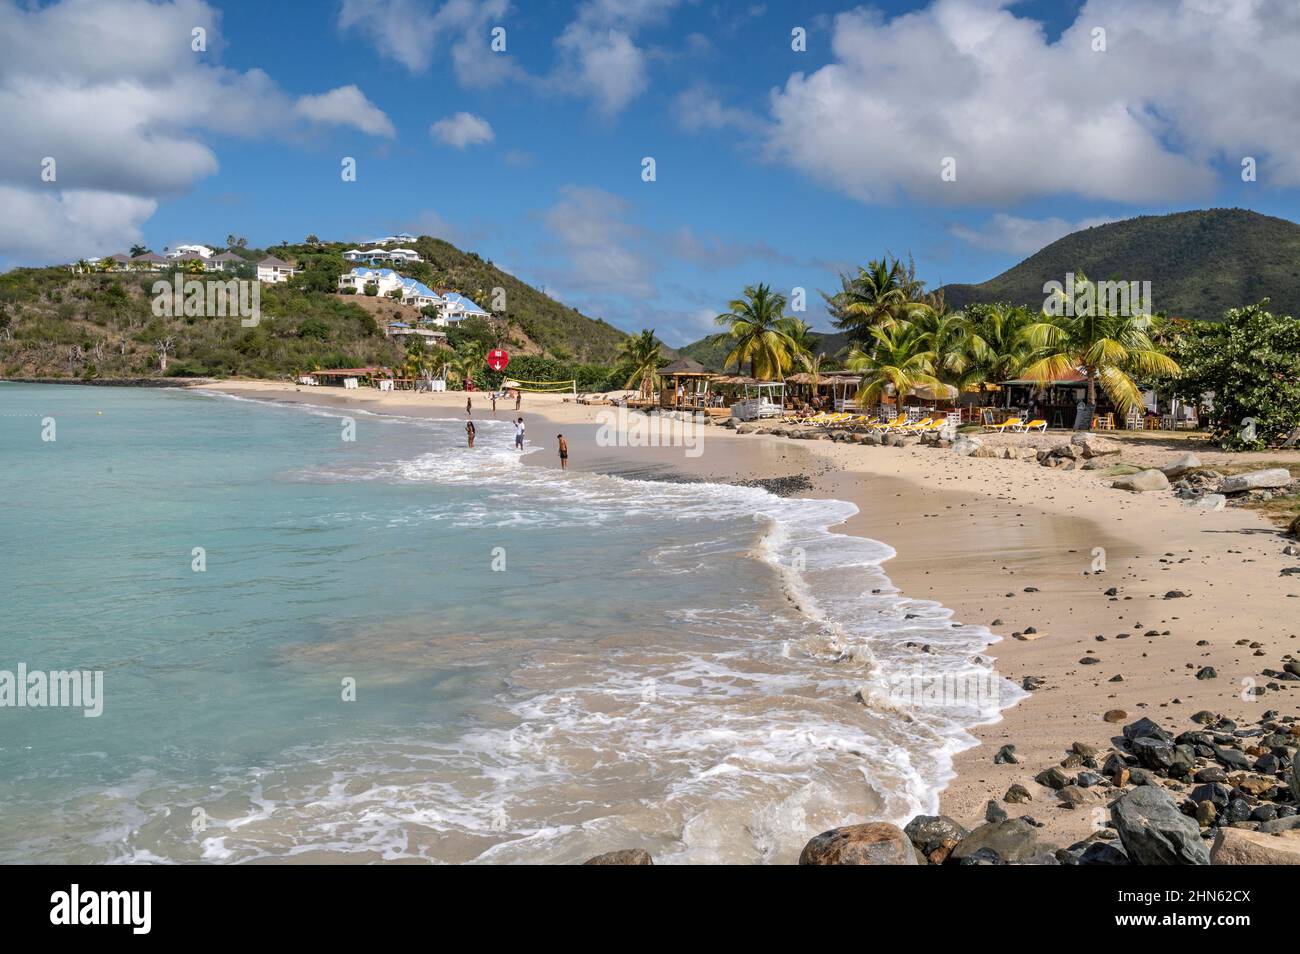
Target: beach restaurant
685, 386
340, 377
831, 390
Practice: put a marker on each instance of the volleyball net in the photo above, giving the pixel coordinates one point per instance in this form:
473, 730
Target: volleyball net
543, 387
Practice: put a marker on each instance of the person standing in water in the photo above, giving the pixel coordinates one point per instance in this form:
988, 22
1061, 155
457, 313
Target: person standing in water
494, 402
469, 405
519, 434
564, 452
469, 432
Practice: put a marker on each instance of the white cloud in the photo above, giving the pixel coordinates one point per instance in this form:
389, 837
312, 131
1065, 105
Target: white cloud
51, 227
462, 129
700, 108
346, 106
1182, 83
598, 55
112, 92
1021, 236
412, 32
603, 249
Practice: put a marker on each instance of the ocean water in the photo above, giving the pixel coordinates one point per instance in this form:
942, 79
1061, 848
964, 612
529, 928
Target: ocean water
401, 649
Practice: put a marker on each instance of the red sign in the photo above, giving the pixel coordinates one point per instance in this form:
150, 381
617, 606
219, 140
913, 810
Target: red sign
497, 359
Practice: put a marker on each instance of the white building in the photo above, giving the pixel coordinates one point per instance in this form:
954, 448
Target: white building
190, 251
273, 270
382, 255
458, 308
384, 279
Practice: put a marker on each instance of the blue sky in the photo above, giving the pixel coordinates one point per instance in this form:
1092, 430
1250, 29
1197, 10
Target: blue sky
771, 164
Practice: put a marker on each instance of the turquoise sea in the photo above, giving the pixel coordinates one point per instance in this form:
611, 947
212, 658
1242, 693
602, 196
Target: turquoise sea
545, 665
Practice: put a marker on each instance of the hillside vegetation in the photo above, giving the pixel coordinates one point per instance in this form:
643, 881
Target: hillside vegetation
54, 322
1200, 264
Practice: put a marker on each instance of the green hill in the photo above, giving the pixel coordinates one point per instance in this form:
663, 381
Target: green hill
1199, 264
55, 322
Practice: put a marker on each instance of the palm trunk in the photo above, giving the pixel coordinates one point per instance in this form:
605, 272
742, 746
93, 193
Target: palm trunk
1092, 387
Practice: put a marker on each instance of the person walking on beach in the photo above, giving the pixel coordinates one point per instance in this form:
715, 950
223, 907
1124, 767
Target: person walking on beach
564, 452
469, 432
469, 405
519, 398
494, 402
519, 434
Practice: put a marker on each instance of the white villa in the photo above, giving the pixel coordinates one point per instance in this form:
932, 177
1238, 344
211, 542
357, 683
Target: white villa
191, 251
273, 270
399, 237
382, 255
451, 307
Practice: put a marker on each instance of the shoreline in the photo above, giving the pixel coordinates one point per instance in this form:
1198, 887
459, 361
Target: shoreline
1003, 541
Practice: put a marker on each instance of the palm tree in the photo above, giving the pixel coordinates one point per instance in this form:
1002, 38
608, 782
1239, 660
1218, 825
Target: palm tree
1108, 348
998, 350
883, 293
641, 356
755, 322
945, 336
899, 357
803, 340
194, 266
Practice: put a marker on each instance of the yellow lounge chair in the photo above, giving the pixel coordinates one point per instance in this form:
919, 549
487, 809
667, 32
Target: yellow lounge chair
896, 422
913, 426
1010, 424
1037, 424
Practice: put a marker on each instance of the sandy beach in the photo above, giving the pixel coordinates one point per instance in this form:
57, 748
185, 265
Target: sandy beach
1009, 545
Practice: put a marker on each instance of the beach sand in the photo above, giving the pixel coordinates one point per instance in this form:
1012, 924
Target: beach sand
1009, 541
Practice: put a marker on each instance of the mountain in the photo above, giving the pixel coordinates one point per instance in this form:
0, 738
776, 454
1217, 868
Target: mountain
56, 322
713, 350
1199, 264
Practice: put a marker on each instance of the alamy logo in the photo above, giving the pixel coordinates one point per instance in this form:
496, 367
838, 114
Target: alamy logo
1087, 299
179, 297
103, 907
623, 429
57, 689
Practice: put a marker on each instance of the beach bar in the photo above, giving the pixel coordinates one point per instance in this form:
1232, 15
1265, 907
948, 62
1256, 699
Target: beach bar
689, 387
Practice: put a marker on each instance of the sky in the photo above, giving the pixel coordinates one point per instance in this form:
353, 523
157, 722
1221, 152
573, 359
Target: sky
964, 133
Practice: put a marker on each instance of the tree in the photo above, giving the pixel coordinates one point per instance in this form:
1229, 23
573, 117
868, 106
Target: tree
997, 346
945, 336
755, 323
137, 250
641, 356
898, 356
163, 347
803, 340
1251, 363
312, 239
883, 293
1108, 348
194, 266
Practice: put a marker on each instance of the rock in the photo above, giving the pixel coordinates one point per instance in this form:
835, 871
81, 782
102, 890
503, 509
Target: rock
876, 843
1144, 728
1100, 853
1153, 830
1181, 465
1006, 756
1213, 502
1017, 794
993, 812
1090, 445
1207, 672
1237, 846
1009, 841
1053, 778
1143, 481
1289, 823
627, 856
1072, 796
965, 446
1115, 715
935, 836
1256, 480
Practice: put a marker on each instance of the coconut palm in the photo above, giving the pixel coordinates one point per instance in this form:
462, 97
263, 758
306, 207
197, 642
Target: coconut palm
640, 354
1108, 348
803, 340
945, 335
898, 358
755, 323
883, 293
998, 349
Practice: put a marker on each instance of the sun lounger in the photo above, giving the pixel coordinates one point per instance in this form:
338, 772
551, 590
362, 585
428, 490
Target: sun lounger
1010, 424
889, 425
1037, 424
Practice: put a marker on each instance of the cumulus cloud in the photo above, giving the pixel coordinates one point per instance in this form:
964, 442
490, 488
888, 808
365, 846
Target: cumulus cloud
1021, 236
113, 93
598, 55
412, 33
700, 108
603, 249
462, 129
1180, 86
346, 106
